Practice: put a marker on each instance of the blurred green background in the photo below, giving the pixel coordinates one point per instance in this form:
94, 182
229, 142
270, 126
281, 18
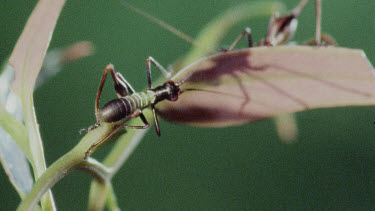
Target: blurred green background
332, 164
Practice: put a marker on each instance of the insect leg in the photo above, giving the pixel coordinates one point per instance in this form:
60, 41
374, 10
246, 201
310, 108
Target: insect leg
318, 11
282, 29
122, 88
150, 60
137, 127
120, 84
109, 68
133, 115
167, 74
246, 32
156, 120
136, 113
89, 150
298, 9
126, 84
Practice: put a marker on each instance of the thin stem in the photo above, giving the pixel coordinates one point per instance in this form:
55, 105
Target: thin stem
52, 175
111, 199
100, 172
116, 158
98, 195
66, 164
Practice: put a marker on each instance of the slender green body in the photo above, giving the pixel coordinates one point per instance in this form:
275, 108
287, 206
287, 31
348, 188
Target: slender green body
122, 107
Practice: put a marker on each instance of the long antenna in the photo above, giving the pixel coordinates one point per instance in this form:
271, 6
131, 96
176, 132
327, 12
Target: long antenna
297, 10
163, 25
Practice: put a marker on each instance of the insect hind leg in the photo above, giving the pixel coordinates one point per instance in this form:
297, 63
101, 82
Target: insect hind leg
121, 86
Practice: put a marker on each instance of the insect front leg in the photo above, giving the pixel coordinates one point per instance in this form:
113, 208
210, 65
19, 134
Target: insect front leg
156, 120
166, 73
319, 39
318, 12
318, 26
318, 17
282, 29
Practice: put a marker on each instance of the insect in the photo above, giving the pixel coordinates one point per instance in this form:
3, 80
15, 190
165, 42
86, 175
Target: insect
282, 29
129, 103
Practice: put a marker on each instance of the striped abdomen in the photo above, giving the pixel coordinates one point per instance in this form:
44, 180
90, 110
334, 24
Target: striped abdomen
120, 108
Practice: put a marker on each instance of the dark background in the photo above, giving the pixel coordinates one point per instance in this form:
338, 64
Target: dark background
332, 164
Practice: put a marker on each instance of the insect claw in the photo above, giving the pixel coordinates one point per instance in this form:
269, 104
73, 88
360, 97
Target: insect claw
80, 131
89, 128
86, 154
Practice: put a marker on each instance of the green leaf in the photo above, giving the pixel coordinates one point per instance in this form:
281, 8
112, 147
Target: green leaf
11, 116
71, 161
28, 54
12, 132
15, 164
27, 58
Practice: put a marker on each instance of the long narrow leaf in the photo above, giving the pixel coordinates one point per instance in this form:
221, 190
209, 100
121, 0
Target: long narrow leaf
27, 58
15, 164
28, 55
12, 157
252, 84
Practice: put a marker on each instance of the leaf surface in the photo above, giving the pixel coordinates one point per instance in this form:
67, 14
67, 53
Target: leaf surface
27, 59
28, 54
257, 83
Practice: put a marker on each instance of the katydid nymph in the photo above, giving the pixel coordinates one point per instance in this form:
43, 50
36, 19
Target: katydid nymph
129, 103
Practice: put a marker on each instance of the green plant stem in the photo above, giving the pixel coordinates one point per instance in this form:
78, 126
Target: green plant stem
126, 145
111, 199
95, 169
116, 158
98, 195
63, 166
